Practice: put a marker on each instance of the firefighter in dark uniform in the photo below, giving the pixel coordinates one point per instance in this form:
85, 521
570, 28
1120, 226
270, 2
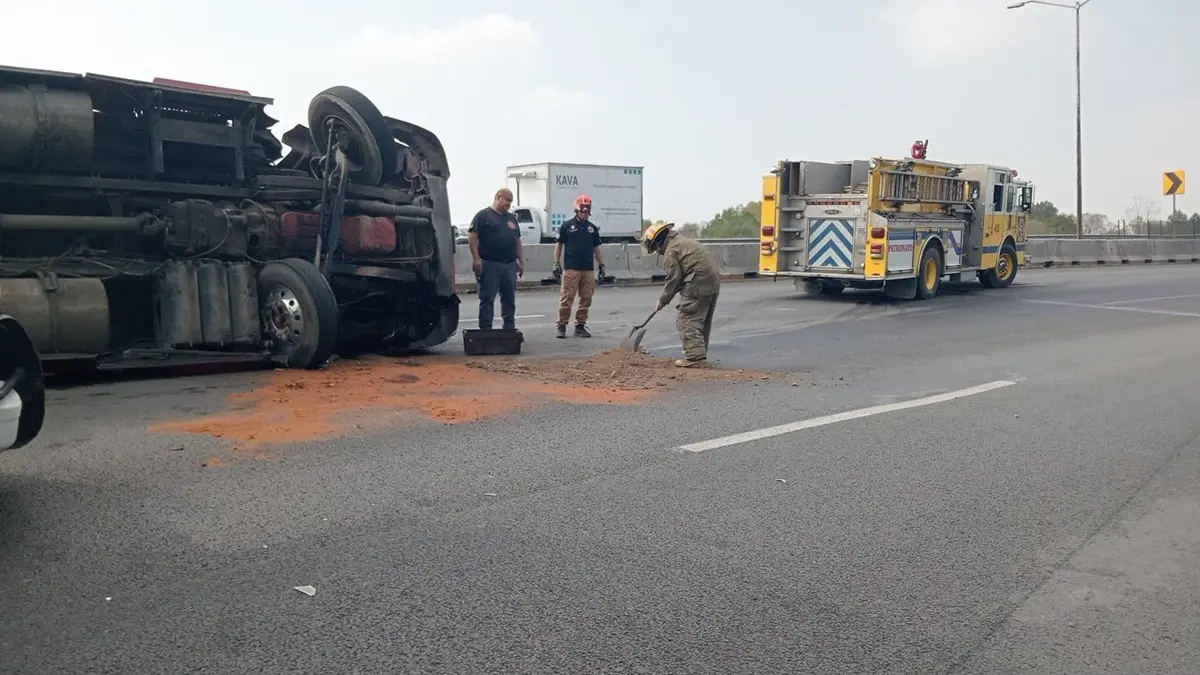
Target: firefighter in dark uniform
576, 256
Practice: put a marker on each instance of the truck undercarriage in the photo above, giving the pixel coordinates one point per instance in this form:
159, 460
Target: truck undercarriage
143, 223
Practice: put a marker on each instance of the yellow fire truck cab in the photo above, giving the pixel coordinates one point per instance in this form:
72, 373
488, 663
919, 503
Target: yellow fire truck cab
897, 225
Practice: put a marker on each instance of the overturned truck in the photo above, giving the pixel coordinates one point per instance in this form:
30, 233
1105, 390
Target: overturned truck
160, 222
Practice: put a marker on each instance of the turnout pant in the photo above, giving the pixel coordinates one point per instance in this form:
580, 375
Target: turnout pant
695, 322
501, 278
576, 282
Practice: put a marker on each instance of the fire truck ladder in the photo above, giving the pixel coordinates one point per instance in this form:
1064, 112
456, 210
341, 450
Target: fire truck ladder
902, 187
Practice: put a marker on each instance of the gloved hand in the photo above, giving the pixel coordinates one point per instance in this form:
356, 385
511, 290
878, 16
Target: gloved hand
556, 271
601, 274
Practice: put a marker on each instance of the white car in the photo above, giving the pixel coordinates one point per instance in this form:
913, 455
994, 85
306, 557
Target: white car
22, 386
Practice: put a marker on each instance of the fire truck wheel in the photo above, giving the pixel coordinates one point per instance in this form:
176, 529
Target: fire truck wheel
299, 313
1006, 266
364, 132
929, 274
1005, 271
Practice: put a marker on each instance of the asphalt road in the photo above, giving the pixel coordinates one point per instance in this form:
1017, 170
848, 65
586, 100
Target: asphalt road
990, 482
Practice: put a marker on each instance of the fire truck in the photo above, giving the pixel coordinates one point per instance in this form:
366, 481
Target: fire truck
895, 225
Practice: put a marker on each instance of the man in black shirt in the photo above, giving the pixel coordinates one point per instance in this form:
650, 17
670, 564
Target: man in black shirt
579, 240
498, 259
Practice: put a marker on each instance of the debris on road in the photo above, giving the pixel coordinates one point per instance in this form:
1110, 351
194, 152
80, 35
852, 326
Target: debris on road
378, 392
623, 370
307, 590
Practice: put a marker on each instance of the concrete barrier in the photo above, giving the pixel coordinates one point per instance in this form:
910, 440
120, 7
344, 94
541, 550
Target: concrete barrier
629, 264
644, 266
616, 262
1092, 252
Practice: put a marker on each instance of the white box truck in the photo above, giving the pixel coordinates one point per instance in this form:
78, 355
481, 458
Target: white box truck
544, 198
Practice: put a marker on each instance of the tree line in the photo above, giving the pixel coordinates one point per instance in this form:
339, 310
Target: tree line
1142, 218
735, 222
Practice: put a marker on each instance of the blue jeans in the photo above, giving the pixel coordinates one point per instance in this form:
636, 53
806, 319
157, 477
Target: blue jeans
497, 277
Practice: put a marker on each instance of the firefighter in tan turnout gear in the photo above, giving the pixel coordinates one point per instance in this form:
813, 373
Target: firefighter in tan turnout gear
693, 273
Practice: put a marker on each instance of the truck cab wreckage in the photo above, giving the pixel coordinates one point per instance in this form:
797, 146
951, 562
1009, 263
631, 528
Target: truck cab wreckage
153, 223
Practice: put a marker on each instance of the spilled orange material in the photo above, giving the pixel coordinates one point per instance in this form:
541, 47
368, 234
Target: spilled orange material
379, 392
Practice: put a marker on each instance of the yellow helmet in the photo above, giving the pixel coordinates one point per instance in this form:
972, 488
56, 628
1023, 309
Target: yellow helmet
656, 231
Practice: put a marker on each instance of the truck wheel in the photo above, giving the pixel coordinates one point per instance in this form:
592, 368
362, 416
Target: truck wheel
1005, 271
929, 274
365, 134
299, 313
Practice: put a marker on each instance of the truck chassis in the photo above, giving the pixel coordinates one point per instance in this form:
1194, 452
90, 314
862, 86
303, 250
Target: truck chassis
147, 223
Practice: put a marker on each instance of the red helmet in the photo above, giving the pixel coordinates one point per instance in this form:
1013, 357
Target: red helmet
583, 202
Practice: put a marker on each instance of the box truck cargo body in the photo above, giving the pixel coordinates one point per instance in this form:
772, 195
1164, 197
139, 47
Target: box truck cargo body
544, 198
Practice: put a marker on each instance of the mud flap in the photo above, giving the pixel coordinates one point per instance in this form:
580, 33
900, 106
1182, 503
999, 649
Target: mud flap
444, 233
446, 328
901, 289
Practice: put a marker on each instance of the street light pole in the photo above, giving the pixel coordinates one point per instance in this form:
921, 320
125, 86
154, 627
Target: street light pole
1078, 105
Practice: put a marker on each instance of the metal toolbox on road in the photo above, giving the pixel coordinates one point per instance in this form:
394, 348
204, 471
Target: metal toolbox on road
492, 342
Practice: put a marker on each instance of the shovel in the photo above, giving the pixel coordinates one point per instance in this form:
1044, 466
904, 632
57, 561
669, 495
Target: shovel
634, 339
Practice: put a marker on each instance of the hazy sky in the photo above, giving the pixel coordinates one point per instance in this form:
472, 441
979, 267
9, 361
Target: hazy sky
706, 95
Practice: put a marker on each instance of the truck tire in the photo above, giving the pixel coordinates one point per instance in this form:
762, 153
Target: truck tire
929, 273
372, 151
1005, 271
299, 313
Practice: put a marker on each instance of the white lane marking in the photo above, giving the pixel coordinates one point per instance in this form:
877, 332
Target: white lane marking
1082, 305
678, 346
530, 316
1160, 298
792, 427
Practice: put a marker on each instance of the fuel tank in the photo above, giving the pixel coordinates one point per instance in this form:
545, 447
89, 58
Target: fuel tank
45, 130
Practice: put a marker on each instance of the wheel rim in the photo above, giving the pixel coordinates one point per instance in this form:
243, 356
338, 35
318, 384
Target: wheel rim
1004, 266
931, 274
284, 318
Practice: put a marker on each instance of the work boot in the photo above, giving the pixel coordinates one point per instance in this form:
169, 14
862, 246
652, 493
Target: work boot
582, 331
690, 363
562, 333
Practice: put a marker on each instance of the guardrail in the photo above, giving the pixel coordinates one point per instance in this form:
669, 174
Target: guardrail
628, 264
